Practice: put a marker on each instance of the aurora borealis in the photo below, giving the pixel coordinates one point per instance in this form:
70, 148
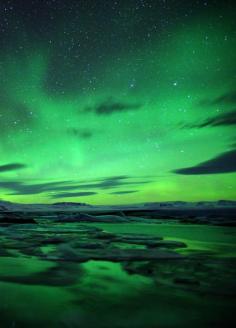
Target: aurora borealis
117, 102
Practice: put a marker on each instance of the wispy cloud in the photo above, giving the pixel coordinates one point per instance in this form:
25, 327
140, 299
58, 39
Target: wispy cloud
123, 192
81, 133
73, 194
110, 106
223, 119
227, 98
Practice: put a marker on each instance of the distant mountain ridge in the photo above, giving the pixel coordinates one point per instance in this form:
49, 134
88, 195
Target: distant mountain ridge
70, 204
9, 206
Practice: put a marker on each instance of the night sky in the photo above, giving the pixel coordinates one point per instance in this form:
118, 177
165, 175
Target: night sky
116, 102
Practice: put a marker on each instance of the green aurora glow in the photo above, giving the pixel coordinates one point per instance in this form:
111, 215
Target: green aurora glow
111, 127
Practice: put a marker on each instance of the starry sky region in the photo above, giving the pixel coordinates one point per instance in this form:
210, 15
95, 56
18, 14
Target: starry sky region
117, 102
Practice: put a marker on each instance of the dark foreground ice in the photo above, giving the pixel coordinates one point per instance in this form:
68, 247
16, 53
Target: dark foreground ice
117, 271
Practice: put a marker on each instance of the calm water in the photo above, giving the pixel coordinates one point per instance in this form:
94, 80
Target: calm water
36, 292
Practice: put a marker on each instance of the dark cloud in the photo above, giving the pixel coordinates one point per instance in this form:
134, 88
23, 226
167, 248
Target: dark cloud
11, 185
224, 163
110, 183
103, 183
124, 192
81, 133
74, 194
109, 106
12, 167
228, 98
115, 177
224, 119
22, 188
